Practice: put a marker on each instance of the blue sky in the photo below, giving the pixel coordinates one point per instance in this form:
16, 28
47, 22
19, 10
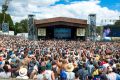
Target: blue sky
111, 4
104, 9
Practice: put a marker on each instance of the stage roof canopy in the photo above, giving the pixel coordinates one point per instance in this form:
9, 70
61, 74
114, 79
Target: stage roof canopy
61, 19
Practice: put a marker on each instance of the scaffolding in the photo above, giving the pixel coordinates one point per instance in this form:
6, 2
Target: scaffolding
92, 27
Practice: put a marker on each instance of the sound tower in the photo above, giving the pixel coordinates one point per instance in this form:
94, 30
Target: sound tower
92, 27
31, 28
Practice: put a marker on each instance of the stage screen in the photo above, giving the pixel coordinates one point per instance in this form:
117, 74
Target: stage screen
80, 32
41, 32
61, 33
111, 31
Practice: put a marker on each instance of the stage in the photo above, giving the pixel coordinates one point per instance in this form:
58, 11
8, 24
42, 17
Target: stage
61, 28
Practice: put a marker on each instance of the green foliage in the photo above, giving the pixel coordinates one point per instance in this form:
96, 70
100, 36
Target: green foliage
99, 30
8, 19
21, 27
117, 23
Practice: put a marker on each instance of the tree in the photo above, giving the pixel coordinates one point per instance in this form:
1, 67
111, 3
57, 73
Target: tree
117, 23
99, 30
21, 27
8, 20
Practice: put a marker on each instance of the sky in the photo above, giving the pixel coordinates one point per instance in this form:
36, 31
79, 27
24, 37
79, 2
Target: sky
42, 9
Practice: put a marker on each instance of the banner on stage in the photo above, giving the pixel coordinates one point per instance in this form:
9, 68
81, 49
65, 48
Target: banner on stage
80, 32
41, 32
5, 27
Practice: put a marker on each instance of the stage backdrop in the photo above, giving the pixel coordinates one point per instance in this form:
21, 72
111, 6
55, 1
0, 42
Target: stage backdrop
62, 33
80, 32
41, 32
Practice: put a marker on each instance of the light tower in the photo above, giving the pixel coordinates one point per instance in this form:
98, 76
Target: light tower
92, 27
5, 25
5, 8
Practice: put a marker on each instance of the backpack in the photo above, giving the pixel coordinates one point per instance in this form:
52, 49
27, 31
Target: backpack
63, 75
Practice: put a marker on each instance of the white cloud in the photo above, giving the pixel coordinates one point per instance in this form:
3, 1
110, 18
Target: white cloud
42, 2
42, 9
17, 18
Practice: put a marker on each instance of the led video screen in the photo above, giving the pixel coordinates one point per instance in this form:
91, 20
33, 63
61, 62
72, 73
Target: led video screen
111, 31
62, 33
41, 32
80, 32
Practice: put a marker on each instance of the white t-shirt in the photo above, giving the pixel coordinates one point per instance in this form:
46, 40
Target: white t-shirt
22, 77
106, 65
43, 76
5, 75
70, 75
111, 76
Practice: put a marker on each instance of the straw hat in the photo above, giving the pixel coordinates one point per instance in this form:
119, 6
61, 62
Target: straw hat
69, 67
23, 72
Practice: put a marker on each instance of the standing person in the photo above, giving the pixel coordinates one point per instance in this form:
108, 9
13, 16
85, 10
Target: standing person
42, 75
77, 76
8, 64
83, 72
49, 71
90, 68
69, 68
32, 67
112, 75
54, 69
5, 73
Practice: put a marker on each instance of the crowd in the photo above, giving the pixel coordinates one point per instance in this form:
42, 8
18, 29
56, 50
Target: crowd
58, 59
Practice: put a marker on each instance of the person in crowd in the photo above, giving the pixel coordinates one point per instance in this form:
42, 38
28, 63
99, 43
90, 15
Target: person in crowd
69, 68
77, 76
43, 74
112, 75
5, 73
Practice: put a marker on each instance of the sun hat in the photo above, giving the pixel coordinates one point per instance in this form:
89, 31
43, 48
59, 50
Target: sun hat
23, 72
69, 67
